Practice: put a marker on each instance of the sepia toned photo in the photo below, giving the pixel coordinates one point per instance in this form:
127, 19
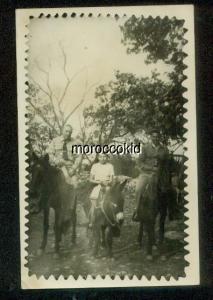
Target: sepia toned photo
106, 131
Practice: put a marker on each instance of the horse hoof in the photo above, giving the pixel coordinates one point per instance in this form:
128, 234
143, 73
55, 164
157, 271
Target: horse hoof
149, 257
40, 252
163, 258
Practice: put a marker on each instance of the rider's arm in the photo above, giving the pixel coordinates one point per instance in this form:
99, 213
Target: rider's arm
163, 153
144, 160
74, 165
111, 173
93, 180
109, 176
54, 158
92, 175
52, 153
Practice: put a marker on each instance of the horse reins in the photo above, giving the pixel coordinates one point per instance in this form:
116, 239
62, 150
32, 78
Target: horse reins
108, 219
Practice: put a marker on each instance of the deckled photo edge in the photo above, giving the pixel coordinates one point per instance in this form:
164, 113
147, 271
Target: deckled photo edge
191, 271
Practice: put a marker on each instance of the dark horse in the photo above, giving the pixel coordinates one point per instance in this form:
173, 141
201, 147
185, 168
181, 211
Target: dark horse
156, 199
108, 217
49, 187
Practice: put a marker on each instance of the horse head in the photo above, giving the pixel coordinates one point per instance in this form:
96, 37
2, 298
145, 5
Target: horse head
38, 169
115, 200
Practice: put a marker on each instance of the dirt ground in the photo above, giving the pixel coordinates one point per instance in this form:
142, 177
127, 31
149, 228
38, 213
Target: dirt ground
129, 259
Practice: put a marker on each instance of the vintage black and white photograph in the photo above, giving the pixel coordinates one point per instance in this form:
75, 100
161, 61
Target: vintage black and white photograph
106, 146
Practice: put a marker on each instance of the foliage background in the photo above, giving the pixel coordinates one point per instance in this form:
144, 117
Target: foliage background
138, 89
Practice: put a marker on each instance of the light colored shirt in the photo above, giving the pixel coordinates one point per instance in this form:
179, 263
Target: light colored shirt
148, 157
56, 150
102, 172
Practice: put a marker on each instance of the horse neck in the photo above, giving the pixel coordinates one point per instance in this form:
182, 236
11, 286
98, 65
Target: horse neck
49, 175
109, 200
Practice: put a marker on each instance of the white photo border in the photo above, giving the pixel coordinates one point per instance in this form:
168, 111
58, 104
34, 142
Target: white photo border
192, 277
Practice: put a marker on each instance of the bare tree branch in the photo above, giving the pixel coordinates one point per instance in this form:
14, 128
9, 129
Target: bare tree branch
79, 104
42, 116
178, 146
69, 80
68, 84
65, 61
38, 85
50, 94
40, 68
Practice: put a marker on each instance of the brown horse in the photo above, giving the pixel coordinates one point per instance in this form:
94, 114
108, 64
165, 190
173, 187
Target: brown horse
48, 185
108, 217
156, 199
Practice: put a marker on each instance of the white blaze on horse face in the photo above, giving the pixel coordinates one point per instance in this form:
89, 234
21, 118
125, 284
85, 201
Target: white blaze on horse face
119, 216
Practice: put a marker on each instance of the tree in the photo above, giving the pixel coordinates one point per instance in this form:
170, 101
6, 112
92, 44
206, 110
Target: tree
162, 39
130, 105
46, 104
46, 113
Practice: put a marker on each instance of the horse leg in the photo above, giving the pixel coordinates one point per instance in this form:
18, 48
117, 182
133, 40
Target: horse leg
103, 240
108, 235
161, 233
163, 213
57, 229
45, 230
161, 227
140, 234
150, 242
97, 239
154, 236
74, 217
163, 205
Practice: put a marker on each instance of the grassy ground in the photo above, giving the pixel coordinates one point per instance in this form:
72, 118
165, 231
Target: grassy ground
129, 259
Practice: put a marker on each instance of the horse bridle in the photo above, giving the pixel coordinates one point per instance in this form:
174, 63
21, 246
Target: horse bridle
108, 219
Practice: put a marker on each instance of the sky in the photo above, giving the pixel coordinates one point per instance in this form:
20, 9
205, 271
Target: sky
93, 52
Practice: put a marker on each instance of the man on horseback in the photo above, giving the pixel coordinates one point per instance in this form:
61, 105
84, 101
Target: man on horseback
54, 179
148, 166
61, 156
101, 174
155, 177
